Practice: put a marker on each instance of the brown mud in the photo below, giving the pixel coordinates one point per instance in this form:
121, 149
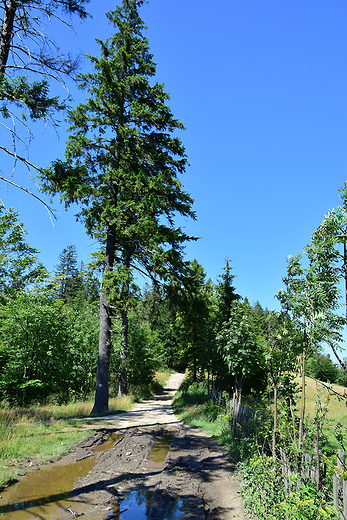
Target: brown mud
151, 467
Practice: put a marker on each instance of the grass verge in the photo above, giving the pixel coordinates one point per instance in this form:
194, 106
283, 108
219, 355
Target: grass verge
192, 406
332, 400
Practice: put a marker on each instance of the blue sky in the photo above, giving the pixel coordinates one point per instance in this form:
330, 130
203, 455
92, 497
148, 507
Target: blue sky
261, 90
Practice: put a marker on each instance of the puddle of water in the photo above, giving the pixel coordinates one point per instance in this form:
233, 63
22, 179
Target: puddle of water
44, 492
138, 505
109, 443
161, 448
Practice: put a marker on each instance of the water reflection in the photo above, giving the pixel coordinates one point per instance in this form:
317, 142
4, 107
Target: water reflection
139, 505
45, 492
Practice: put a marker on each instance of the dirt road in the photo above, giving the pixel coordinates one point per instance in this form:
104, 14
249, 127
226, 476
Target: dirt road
188, 476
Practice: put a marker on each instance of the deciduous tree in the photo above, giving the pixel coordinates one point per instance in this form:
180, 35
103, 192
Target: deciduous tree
239, 349
19, 264
46, 348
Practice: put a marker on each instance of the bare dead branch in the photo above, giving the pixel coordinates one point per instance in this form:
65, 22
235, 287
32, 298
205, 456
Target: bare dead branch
50, 210
16, 156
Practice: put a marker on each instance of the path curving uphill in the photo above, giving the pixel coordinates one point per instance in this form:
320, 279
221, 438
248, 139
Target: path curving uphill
192, 480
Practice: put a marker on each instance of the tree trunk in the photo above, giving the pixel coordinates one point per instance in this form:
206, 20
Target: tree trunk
238, 394
293, 420
105, 343
237, 406
194, 370
7, 32
303, 400
105, 346
275, 424
123, 381
345, 270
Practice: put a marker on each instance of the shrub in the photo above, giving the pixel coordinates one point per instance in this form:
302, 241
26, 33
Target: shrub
265, 496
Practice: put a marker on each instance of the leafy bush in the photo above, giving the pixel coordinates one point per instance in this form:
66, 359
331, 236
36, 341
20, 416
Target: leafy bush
46, 349
143, 358
264, 494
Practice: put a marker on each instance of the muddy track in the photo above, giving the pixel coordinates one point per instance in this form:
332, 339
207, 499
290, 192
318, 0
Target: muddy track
155, 468
195, 476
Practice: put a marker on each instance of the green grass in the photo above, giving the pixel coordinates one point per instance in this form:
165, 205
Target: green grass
336, 406
54, 412
192, 407
335, 409
38, 434
161, 379
26, 441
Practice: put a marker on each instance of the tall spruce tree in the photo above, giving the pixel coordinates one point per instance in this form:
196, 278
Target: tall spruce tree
68, 276
123, 161
193, 317
226, 294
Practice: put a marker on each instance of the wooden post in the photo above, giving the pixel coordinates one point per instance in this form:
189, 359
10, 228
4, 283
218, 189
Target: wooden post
341, 460
306, 462
303, 395
317, 452
285, 471
344, 494
336, 491
337, 484
274, 429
